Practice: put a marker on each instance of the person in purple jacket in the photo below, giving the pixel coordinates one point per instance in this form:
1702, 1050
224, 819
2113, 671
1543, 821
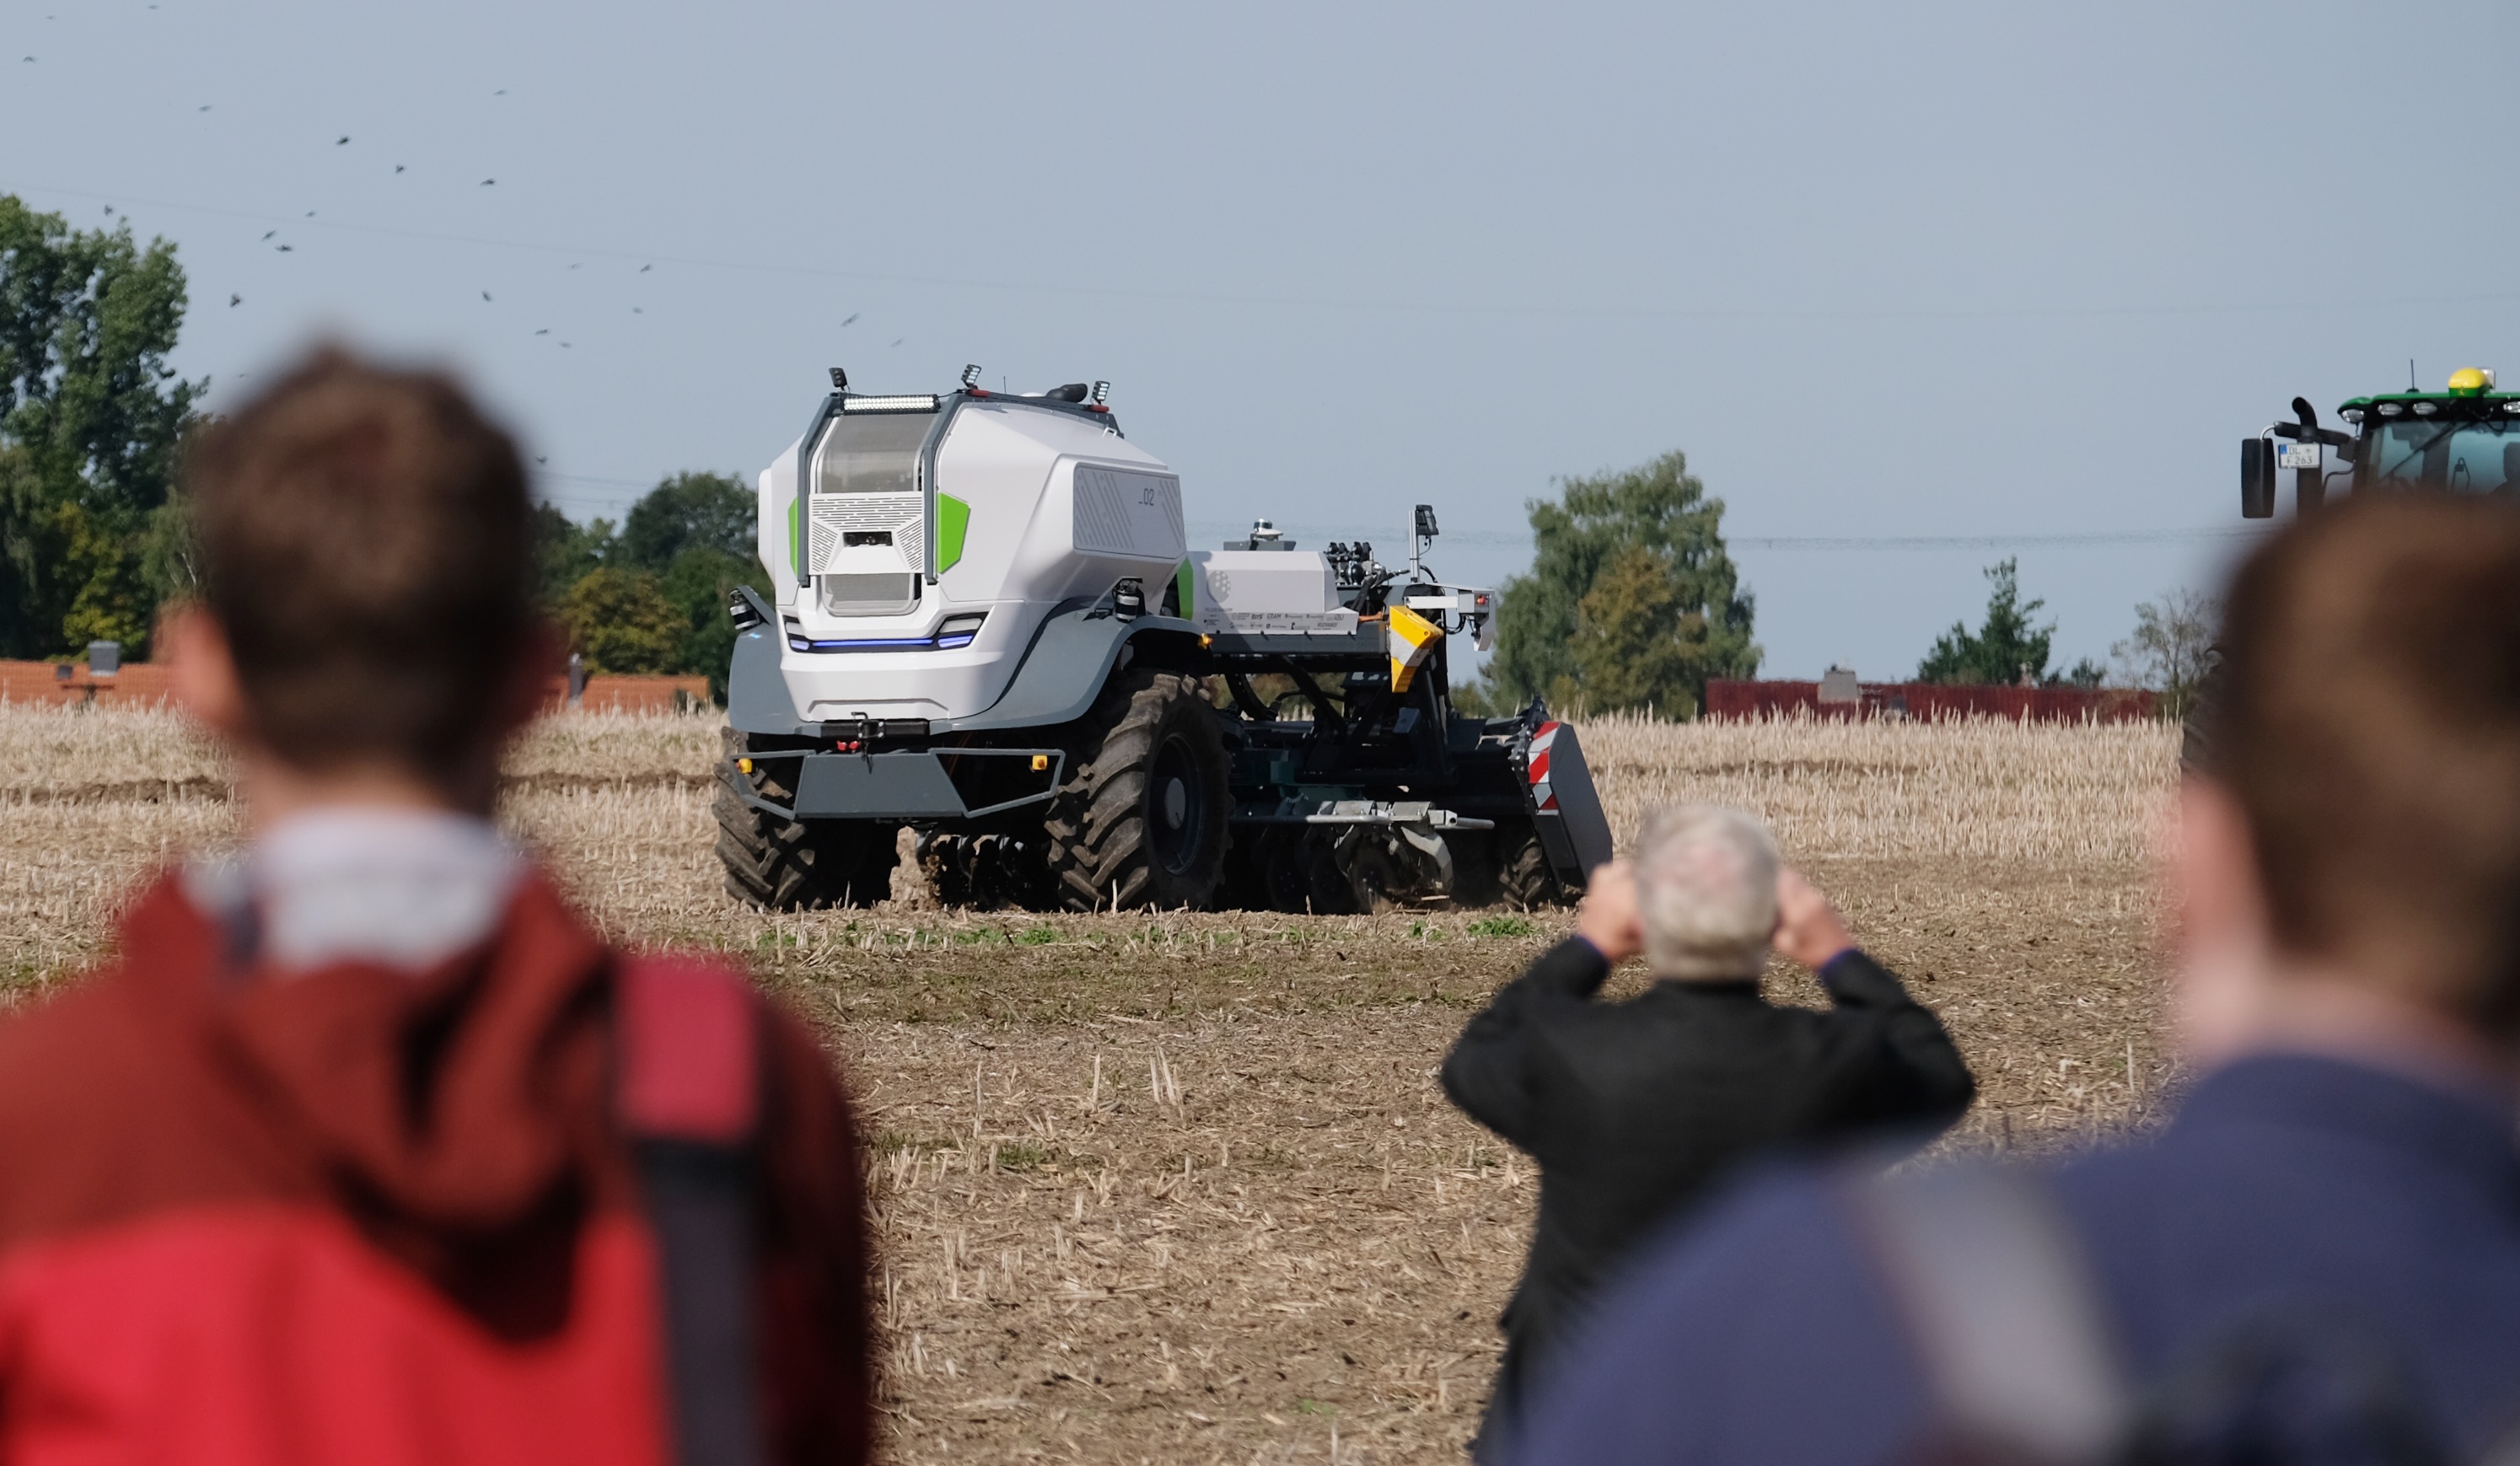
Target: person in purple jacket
2319, 1257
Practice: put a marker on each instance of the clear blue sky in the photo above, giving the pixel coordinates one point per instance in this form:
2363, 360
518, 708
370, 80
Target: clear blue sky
1930, 270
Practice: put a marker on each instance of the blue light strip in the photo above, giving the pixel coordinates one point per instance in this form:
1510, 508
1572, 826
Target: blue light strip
950, 643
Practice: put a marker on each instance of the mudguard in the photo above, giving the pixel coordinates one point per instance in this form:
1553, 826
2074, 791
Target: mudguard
1063, 671
1565, 807
756, 692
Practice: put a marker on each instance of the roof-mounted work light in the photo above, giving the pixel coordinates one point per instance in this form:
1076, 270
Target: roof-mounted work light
972, 378
1101, 393
839, 380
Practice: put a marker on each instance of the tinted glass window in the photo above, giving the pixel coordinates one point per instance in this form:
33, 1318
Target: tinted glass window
874, 454
2462, 457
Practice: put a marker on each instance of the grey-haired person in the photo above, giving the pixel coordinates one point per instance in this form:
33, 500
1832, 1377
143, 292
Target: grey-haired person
1637, 1110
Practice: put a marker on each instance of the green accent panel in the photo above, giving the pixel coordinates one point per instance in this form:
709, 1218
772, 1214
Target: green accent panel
953, 521
795, 515
1186, 592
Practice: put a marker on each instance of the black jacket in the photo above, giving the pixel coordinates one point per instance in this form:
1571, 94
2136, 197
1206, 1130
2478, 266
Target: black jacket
1635, 1110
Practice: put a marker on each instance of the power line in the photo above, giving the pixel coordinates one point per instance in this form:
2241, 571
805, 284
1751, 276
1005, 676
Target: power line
2066, 540
2088, 539
1320, 302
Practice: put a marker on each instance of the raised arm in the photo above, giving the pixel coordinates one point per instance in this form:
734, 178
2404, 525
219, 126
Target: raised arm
1486, 1073
1890, 1060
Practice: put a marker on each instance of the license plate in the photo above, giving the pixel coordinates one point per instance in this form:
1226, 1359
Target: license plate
2298, 456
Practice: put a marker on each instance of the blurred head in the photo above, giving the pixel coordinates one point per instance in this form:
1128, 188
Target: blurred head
1706, 891
367, 572
2356, 820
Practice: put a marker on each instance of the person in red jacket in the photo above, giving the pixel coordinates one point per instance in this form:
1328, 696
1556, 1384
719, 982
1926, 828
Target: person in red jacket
362, 1146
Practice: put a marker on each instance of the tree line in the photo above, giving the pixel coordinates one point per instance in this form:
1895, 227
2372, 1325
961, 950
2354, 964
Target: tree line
651, 596
1631, 602
93, 421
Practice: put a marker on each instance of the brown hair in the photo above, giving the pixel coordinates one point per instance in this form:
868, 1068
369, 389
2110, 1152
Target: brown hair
2368, 724
366, 545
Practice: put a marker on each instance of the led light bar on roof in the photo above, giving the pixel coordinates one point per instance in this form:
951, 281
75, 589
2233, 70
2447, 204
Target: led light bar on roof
913, 402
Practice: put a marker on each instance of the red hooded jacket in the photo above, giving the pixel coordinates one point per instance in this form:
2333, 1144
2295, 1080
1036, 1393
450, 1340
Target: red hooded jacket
362, 1214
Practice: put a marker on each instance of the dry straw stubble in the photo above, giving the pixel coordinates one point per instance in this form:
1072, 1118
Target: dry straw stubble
1182, 1186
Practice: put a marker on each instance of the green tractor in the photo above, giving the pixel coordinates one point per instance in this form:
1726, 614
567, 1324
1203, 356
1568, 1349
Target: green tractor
2464, 439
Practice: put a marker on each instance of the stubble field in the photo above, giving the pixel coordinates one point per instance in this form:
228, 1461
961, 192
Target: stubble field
1182, 1187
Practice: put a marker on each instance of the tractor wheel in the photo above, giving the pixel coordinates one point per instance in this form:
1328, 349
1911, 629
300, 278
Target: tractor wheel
1375, 880
791, 865
1474, 867
1524, 877
1246, 873
1140, 820
1326, 892
1285, 880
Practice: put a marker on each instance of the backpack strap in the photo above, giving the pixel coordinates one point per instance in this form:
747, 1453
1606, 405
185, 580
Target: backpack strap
687, 1038
2011, 1335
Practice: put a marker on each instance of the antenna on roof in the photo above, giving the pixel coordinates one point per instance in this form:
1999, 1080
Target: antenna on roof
2410, 375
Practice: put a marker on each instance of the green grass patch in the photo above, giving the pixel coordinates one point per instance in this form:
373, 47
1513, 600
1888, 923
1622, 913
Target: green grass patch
1022, 1155
1503, 926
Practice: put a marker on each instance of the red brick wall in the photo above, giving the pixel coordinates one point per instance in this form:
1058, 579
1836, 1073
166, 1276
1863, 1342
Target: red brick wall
1733, 699
137, 685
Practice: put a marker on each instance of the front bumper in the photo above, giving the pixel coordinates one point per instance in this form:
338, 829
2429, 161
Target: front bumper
945, 783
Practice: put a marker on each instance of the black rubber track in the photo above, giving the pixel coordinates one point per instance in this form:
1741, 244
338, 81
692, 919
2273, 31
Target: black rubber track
786, 866
1107, 825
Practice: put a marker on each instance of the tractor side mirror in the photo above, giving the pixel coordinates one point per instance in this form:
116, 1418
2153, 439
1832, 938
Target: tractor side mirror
2257, 479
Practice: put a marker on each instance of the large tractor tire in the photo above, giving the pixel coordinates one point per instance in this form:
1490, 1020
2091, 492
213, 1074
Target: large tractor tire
1140, 819
1474, 868
1525, 880
793, 866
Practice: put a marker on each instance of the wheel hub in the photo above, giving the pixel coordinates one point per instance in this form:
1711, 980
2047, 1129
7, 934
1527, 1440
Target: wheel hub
1176, 811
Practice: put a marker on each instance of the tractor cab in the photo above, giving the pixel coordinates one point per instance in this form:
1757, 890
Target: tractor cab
2464, 439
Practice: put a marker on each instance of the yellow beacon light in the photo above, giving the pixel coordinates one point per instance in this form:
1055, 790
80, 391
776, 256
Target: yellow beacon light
2470, 382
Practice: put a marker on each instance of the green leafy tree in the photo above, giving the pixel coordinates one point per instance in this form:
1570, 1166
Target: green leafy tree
690, 540
566, 551
689, 512
1628, 657
1660, 511
698, 582
2005, 649
621, 622
90, 420
2172, 648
